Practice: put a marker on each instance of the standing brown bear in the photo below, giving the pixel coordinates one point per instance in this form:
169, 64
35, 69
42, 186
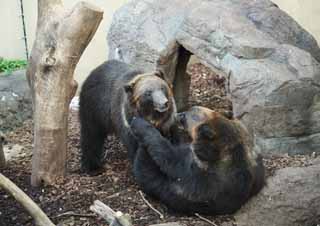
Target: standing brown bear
215, 173
113, 93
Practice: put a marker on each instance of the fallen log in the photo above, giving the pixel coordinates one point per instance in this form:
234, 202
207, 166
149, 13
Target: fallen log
113, 218
41, 219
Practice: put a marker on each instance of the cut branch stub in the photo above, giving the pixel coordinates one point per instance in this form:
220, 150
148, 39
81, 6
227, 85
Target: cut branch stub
60, 41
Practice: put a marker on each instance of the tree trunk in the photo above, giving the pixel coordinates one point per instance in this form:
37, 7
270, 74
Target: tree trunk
60, 41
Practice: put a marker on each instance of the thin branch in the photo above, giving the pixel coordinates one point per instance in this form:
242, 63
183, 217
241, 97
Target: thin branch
113, 195
205, 219
151, 207
38, 215
71, 213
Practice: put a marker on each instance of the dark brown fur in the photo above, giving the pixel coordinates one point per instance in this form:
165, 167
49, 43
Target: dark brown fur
112, 94
215, 173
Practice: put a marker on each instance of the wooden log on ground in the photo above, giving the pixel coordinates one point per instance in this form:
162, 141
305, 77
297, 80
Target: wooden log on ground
38, 215
61, 38
113, 218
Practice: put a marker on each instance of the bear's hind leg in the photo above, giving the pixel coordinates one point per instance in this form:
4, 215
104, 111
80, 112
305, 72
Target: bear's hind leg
92, 151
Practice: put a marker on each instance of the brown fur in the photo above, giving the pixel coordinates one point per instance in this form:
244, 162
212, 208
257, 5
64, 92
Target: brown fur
227, 134
214, 173
111, 96
151, 81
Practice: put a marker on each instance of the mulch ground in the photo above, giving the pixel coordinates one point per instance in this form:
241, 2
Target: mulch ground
68, 201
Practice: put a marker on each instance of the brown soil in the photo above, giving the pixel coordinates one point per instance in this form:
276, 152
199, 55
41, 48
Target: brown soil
115, 186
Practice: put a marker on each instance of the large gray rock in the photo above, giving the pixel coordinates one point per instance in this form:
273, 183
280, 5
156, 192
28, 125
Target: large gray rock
15, 100
271, 62
291, 198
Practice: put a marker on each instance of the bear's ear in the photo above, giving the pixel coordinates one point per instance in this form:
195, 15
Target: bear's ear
159, 73
205, 131
227, 114
2, 139
128, 88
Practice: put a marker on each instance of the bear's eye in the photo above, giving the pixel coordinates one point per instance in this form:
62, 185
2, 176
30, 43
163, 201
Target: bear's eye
164, 90
205, 131
148, 93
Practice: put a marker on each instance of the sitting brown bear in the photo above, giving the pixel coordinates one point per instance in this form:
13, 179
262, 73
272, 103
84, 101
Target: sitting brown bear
112, 94
215, 173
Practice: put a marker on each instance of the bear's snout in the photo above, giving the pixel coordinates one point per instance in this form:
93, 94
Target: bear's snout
160, 102
162, 107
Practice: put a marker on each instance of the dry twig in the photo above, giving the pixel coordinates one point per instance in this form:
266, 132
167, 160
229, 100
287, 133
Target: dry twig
71, 213
113, 195
205, 219
151, 207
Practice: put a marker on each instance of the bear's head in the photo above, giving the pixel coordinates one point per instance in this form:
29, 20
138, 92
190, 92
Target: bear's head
152, 99
214, 137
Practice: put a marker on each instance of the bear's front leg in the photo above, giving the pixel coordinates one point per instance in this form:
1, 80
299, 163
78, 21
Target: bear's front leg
129, 140
143, 129
168, 157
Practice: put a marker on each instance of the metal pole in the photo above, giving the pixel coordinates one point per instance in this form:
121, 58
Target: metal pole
24, 29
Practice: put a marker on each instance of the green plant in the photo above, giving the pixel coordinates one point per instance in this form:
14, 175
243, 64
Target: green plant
7, 66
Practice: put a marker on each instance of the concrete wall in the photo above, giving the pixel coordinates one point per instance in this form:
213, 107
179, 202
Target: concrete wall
11, 42
306, 12
12, 46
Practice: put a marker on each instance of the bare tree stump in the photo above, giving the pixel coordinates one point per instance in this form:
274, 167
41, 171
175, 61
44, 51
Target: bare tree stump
2, 157
60, 41
38, 215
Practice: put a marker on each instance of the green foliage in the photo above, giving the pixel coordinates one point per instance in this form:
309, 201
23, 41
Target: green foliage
7, 66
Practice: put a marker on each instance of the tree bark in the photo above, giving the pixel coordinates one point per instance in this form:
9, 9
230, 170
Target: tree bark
38, 215
60, 41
